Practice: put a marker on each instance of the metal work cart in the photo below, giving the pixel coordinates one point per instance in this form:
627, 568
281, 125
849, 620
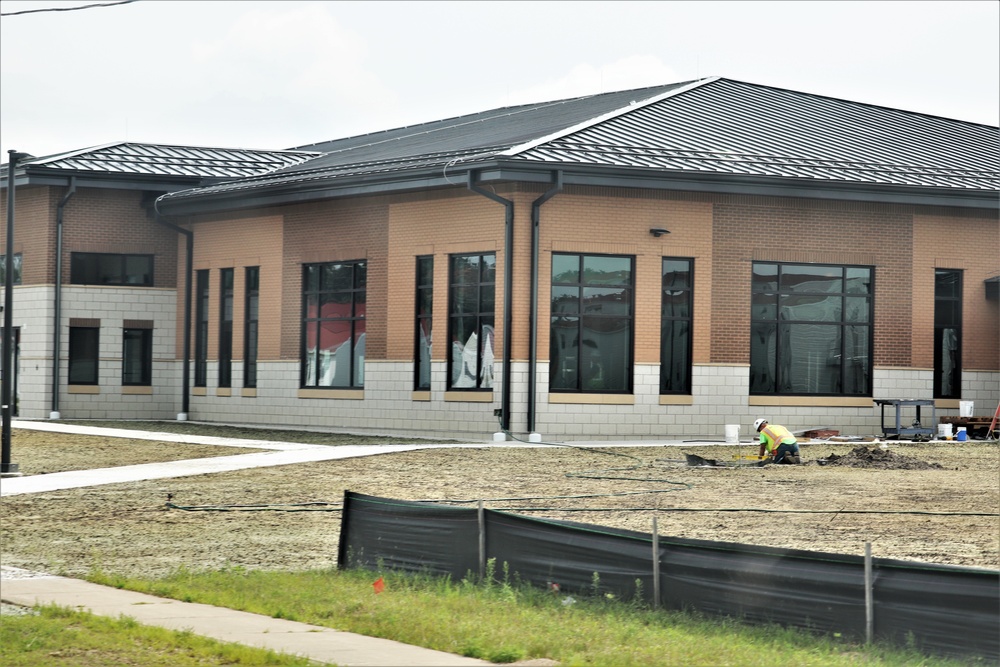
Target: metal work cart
916, 428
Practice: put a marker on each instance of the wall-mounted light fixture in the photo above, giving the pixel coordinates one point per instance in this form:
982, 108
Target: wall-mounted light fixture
658, 231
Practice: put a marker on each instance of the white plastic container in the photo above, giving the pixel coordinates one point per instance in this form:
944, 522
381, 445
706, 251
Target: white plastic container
944, 431
965, 408
732, 434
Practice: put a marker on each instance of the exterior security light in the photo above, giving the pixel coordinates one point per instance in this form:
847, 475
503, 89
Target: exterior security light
658, 231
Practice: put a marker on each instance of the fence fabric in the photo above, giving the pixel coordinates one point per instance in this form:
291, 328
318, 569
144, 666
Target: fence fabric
940, 609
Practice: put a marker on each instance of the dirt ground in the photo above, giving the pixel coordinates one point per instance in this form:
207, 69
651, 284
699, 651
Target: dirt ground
935, 502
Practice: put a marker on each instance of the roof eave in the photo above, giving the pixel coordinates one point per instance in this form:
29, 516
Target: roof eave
595, 176
40, 177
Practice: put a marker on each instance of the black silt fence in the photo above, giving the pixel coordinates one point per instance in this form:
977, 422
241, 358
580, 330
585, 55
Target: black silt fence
938, 609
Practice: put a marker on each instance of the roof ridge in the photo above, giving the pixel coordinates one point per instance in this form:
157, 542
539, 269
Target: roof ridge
538, 141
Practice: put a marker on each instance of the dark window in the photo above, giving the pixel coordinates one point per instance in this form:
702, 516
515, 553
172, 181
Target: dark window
137, 357
225, 327
425, 302
811, 329
947, 333
592, 323
17, 269
675, 326
333, 324
201, 329
471, 299
83, 355
250, 322
92, 268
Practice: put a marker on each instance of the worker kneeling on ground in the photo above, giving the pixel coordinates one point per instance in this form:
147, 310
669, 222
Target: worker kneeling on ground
778, 442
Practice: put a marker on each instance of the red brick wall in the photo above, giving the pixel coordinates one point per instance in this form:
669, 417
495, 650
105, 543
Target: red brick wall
34, 232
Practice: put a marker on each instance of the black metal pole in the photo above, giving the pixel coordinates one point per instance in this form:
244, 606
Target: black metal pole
6, 467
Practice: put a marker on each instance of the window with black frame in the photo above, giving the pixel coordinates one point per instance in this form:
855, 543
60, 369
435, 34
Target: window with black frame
137, 356
947, 333
424, 320
201, 329
675, 325
84, 351
592, 323
251, 305
811, 329
225, 327
333, 324
471, 305
94, 268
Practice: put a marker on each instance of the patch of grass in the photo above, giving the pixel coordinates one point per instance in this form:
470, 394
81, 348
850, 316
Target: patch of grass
60, 636
506, 622
249, 433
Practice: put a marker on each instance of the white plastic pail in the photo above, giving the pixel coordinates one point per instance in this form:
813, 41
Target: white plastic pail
732, 434
944, 431
965, 408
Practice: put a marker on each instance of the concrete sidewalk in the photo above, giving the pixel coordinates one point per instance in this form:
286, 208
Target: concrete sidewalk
323, 645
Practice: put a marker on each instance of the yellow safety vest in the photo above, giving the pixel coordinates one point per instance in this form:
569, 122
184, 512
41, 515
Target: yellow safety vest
773, 435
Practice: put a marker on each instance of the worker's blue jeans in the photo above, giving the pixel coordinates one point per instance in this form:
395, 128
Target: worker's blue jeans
783, 449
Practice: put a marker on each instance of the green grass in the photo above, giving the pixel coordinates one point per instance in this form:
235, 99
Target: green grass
60, 637
249, 433
508, 622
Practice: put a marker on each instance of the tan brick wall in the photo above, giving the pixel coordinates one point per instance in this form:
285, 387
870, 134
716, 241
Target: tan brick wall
969, 242
449, 224
613, 221
336, 231
757, 228
236, 244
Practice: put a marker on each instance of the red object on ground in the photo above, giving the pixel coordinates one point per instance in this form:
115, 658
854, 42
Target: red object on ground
820, 434
379, 585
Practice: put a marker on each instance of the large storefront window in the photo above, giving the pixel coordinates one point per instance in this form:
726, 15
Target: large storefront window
471, 304
675, 326
811, 330
947, 333
592, 323
333, 324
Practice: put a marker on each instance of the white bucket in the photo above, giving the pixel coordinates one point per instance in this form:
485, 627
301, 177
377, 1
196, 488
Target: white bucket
965, 408
732, 434
944, 431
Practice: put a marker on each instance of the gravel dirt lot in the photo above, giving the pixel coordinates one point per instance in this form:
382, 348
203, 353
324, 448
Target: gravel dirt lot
128, 528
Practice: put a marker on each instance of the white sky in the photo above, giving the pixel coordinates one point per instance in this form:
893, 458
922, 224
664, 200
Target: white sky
283, 74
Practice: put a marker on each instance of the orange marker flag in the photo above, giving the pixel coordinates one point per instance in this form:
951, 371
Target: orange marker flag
379, 585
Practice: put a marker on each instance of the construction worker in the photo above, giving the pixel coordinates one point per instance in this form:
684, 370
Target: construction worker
778, 442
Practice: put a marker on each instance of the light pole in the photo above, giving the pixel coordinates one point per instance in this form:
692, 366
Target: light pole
6, 467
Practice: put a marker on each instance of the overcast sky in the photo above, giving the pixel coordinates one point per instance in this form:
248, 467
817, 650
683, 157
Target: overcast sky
284, 74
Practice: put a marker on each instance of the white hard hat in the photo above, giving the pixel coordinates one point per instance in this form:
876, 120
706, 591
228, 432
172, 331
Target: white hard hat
757, 424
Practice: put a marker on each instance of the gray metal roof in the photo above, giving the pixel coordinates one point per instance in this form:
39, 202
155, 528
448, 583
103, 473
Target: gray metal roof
738, 128
157, 160
712, 130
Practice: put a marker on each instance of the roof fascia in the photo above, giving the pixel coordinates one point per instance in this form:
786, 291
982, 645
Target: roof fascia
497, 172
754, 185
86, 179
514, 150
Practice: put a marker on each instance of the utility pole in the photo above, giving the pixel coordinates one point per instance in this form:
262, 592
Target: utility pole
8, 469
